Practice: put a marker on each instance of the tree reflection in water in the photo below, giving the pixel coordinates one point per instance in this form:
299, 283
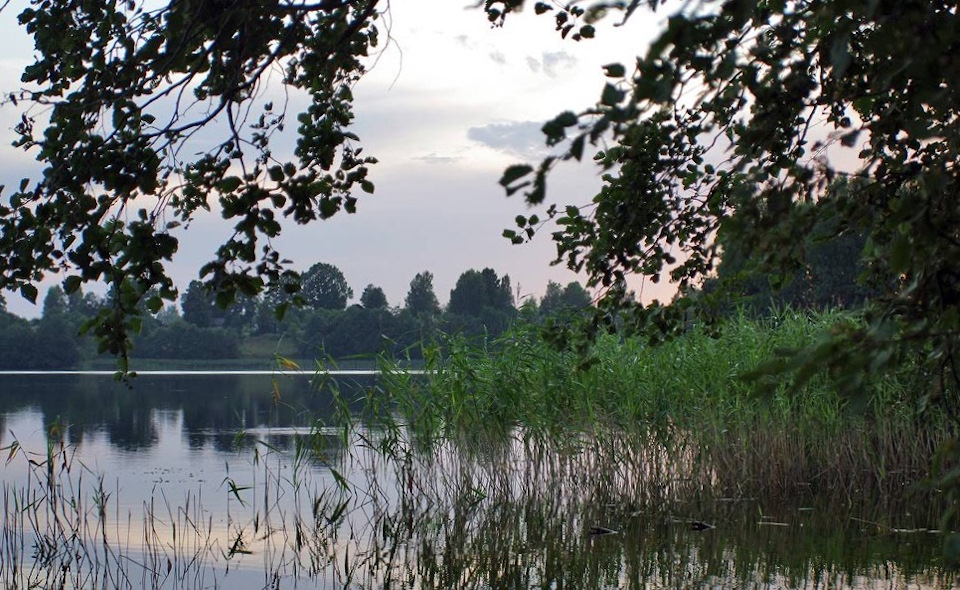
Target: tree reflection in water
328, 508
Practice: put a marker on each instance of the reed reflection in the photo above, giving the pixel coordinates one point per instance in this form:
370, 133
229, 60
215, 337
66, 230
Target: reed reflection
300, 502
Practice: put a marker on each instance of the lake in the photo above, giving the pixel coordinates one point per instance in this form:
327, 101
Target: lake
208, 480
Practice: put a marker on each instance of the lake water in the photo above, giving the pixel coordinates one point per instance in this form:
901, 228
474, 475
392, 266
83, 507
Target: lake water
204, 480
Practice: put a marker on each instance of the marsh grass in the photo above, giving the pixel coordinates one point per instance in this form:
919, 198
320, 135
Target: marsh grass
703, 401
474, 512
520, 513
63, 526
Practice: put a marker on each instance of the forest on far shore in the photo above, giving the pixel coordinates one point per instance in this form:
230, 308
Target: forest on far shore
319, 325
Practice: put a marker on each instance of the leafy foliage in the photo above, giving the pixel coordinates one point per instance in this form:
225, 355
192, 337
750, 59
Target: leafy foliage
325, 287
734, 124
200, 308
373, 297
111, 108
197, 307
183, 340
246, 333
421, 298
828, 277
476, 290
359, 331
557, 299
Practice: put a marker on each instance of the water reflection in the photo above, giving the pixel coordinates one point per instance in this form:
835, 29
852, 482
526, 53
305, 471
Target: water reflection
525, 517
209, 408
156, 489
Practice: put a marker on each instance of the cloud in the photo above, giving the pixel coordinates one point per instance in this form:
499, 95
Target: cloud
551, 63
434, 158
517, 138
498, 57
557, 60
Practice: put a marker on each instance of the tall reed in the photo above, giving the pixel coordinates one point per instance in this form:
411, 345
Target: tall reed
696, 396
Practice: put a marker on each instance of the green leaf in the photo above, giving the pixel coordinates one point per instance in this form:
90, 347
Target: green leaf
154, 304
367, 186
849, 139
71, 284
576, 147
29, 292
512, 189
900, 253
611, 95
555, 129
224, 299
512, 236
614, 70
328, 207
566, 119
840, 56
515, 173
229, 184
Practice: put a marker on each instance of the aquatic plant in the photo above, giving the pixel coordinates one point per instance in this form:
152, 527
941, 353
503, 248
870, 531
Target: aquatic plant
707, 397
514, 511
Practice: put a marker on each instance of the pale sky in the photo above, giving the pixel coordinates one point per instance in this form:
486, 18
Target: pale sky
449, 103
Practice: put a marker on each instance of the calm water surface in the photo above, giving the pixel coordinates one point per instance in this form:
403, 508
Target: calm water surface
201, 481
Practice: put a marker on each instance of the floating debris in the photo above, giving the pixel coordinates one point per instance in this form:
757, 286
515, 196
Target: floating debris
695, 525
598, 531
699, 525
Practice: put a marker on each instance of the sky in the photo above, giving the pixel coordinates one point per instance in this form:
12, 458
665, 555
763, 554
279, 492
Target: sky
448, 103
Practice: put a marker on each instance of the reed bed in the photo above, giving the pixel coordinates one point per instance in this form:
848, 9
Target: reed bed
525, 513
474, 512
699, 397
497, 465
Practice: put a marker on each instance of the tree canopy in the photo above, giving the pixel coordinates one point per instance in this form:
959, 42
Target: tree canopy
732, 127
478, 290
110, 109
325, 287
556, 299
421, 298
373, 297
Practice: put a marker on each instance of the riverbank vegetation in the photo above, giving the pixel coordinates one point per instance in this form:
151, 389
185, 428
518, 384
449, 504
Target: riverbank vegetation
707, 400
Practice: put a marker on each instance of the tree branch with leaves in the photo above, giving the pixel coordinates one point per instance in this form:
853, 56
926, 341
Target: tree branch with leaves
142, 117
729, 130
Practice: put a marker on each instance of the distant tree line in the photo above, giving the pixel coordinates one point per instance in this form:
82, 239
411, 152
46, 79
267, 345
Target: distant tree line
318, 322
315, 323
826, 274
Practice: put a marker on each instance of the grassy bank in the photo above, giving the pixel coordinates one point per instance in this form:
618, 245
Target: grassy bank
691, 399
